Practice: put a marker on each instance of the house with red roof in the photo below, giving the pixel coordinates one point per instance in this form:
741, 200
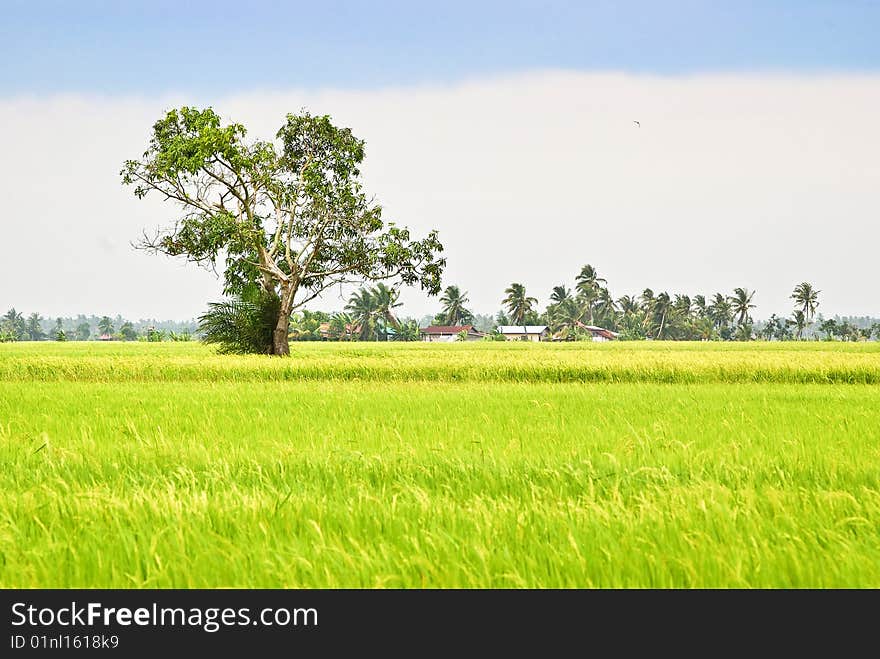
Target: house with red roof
598, 333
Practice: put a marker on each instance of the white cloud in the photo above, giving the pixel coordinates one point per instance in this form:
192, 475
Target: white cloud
731, 180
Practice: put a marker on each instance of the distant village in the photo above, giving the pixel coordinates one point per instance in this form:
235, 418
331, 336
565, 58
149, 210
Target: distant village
450, 333
585, 312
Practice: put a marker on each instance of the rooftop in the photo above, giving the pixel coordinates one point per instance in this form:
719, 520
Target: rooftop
446, 329
521, 329
599, 330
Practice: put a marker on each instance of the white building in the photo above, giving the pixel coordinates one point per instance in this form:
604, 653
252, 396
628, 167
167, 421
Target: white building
449, 333
525, 332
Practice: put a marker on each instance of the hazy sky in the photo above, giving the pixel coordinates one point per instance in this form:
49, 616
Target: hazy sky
506, 127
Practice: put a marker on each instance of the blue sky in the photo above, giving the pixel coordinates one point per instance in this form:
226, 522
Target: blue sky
215, 47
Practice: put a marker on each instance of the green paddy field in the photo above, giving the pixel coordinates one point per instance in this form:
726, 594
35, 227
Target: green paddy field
441, 465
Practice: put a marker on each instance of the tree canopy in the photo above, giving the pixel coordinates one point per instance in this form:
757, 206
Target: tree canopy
290, 216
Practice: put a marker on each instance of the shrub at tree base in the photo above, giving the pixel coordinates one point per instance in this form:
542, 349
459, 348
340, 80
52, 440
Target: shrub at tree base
242, 324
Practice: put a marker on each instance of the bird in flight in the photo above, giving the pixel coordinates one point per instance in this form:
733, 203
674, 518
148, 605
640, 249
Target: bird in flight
637, 123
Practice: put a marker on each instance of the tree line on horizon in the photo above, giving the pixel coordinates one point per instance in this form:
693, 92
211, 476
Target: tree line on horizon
371, 314
15, 326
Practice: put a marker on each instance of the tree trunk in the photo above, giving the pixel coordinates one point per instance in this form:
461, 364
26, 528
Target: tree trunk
280, 343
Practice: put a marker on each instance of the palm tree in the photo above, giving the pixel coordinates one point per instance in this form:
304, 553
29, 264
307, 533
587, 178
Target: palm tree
14, 325
128, 332
627, 304
686, 319
562, 311
560, 294
362, 307
242, 324
700, 306
454, 312
83, 331
702, 328
588, 278
683, 305
829, 327
770, 328
720, 311
806, 298
105, 325
605, 307
408, 330
384, 300
564, 316
342, 326
518, 304
587, 298
34, 328
58, 333
587, 285
662, 310
646, 304
12, 315
743, 333
799, 320
741, 303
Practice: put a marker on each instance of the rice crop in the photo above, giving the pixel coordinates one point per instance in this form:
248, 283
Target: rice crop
460, 465
661, 362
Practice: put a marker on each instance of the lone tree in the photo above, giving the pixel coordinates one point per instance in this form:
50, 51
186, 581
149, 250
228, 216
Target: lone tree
289, 216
